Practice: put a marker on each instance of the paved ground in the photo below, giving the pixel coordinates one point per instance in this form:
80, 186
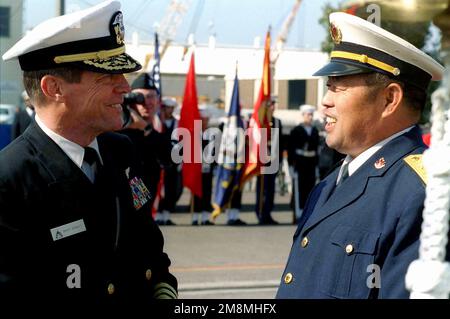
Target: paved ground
229, 262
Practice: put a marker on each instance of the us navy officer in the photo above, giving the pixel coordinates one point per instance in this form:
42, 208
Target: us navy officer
72, 221
361, 225
303, 158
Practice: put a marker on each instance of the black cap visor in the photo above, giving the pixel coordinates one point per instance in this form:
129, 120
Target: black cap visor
337, 68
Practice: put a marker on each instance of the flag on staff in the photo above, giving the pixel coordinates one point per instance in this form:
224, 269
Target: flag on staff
157, 124
156, 73
257, 145
230, 155
192, 149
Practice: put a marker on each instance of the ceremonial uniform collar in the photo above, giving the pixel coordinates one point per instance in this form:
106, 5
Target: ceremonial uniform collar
74, 151
357, 162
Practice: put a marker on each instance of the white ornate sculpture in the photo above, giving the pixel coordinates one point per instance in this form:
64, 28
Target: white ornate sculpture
429, 276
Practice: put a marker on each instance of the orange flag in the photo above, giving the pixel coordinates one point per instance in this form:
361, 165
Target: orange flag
257, 145
192, 147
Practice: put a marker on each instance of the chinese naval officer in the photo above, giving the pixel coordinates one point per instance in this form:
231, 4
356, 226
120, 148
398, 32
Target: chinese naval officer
361, 225
73, 226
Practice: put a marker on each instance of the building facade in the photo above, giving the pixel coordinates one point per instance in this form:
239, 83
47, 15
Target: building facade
215, 67
11, 12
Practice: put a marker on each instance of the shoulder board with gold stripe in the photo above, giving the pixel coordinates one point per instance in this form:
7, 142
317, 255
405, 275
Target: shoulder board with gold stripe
415, 162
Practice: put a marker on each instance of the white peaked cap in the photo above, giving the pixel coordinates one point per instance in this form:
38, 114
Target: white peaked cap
361, 47
306, 108
169, 101
204, 111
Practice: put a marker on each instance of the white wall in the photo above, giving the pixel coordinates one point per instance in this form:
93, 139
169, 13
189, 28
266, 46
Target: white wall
10, 73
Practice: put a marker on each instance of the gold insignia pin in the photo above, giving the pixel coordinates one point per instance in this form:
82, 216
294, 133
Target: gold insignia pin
118, 27
336, 33
379, 164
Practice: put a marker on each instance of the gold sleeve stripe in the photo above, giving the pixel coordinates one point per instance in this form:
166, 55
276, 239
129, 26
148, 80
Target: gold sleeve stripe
164, 295
365, 59
165, 289
415, 162
98, 55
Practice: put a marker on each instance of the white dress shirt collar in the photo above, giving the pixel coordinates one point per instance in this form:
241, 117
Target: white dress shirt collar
74, 151
357, 162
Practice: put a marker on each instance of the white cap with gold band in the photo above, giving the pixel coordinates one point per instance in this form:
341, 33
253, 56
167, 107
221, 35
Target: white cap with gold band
361, 47
91, 39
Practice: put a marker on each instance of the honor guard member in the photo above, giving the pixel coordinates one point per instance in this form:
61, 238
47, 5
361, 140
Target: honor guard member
303, 158
234, 210
153, 148
172, 174
72, 222
265, 185
361, 225
202, 205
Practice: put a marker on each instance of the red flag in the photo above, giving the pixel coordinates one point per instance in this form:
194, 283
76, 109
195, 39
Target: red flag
257, 140
192, 146
352, 9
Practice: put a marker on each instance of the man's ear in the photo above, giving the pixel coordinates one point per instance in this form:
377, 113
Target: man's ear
393, 97
51, 87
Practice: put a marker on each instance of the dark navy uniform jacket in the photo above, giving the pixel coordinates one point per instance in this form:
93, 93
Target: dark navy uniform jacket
370, 222
120, 254
154, 150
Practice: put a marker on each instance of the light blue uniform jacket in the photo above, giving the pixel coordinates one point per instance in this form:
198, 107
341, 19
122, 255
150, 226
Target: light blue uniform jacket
363, 234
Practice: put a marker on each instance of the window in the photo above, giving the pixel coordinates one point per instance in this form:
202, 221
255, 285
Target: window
4, 21
297, 93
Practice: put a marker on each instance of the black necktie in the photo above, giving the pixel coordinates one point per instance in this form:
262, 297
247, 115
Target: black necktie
91, 157
344, 174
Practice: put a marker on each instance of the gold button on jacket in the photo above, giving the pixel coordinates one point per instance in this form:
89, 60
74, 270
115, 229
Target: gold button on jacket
288, 278
349, 249
148, 274
111, 289
304, 242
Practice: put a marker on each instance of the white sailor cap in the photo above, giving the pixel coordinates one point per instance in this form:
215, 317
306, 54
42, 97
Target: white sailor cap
90, 39
362, 47
306, 108
169, 101
204, 111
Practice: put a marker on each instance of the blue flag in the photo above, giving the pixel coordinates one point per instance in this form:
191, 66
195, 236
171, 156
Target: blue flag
231, 155
156, 75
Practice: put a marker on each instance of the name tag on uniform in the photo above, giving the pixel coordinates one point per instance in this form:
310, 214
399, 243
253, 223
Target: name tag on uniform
68, 230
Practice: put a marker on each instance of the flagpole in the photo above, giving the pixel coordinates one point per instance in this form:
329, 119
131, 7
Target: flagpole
261, 195
192, 204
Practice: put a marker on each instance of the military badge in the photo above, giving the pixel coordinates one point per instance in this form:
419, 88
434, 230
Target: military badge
336, 33
379, 164
140, 192
117, 28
